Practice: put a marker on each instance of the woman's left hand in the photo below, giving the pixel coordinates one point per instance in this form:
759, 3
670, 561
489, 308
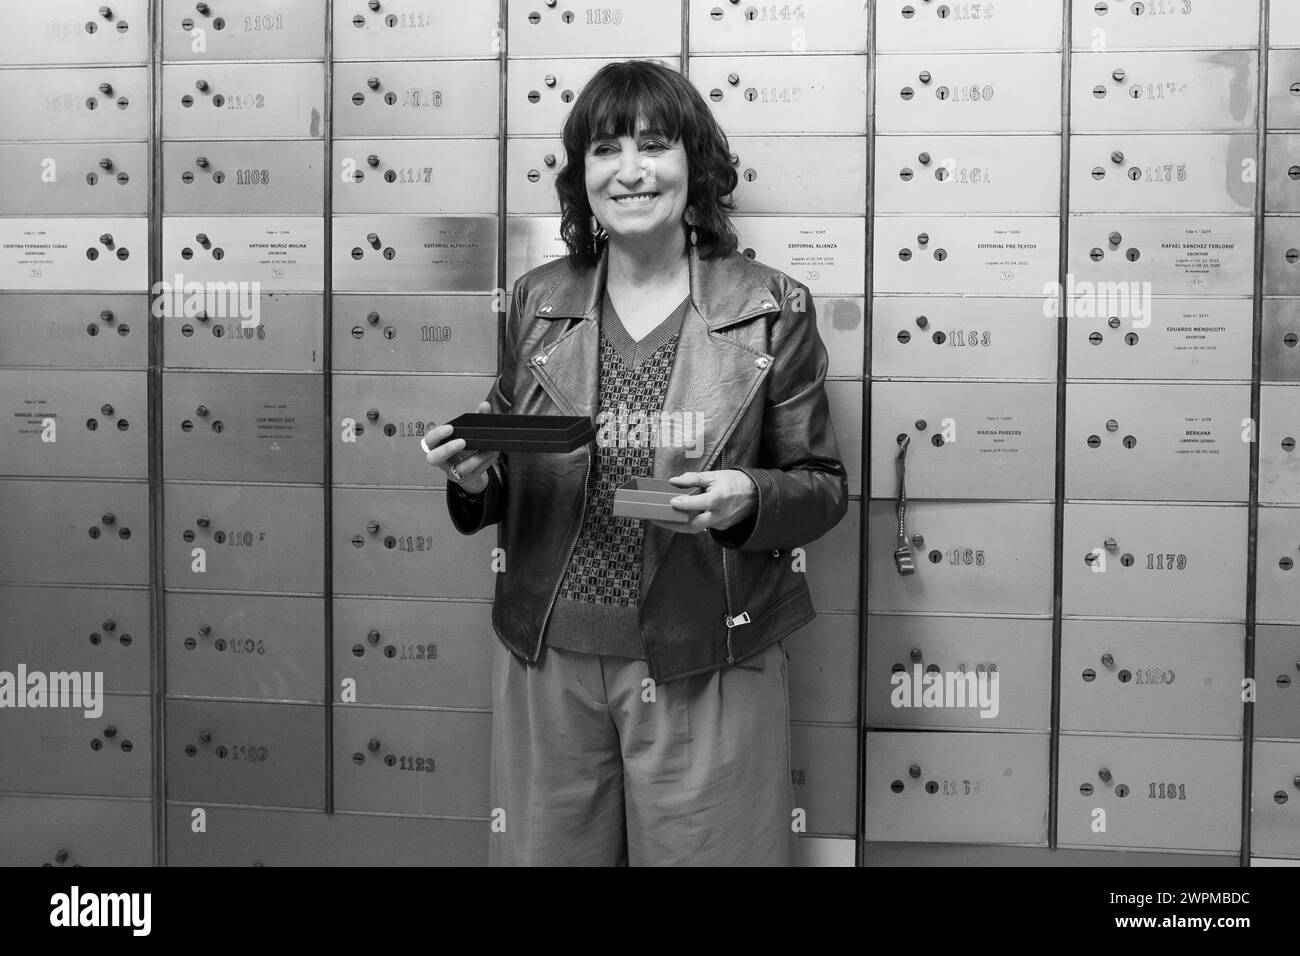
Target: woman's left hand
728, 496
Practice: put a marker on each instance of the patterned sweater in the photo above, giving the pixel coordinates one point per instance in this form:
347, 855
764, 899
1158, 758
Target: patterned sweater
596, 608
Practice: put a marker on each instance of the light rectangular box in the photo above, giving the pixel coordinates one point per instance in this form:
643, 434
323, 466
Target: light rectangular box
82, 255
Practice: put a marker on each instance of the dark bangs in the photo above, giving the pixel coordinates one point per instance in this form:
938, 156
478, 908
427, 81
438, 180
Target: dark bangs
611, 104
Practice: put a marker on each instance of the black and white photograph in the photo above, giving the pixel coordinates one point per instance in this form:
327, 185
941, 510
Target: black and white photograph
696, 434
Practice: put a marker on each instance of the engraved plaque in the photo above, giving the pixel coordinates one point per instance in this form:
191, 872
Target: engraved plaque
1169, 338
246, 255
987, 255
74, 424
1176, 255
52, 255
828, 254
415, 253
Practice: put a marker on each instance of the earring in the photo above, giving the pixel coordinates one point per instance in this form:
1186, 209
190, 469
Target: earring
690, 221
597, 230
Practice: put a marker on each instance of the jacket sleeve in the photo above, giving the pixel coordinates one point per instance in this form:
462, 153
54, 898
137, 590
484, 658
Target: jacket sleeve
470, 513
802, 484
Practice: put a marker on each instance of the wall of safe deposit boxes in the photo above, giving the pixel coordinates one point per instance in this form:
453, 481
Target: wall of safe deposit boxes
233, 524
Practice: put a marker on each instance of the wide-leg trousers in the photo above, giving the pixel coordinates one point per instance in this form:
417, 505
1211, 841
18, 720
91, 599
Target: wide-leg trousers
594, 764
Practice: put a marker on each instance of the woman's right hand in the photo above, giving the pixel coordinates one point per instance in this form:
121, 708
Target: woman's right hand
447, 454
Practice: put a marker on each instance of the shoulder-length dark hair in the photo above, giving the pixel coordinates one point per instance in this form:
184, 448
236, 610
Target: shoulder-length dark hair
609, 105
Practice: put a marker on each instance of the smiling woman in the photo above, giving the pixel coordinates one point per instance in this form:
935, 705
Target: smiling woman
640, 691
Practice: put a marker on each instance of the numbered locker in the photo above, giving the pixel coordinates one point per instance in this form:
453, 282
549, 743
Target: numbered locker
968, 174
75, 179
415, 653
74, 424
248, 178
257, 837
1159, 793
776, 176
1280, 341
243, 427
964, 655
1162, 561
1275, 800
903, 26
403, 544
1120, 336
431, 98
268, 755
971, 255
76, 31
98, 743
1176, 255
1158, 442
1279, 424
243, 30
415, 253
75, 532
103, 103
246, 255
1282, 173
1283, 104
824, 771
956, 787
829, 26
541, 92
1142, 92
416, 29
410, 333
775, 94
1281, 255
243, 538
840, 324
964, 440
245, 647
823, 670
448, 177
968, 93
531, 241
962, 337
1164, 173
74, 330
379, 421
104, 630
825, 253
72, 831
1154, 24
1152, 678
1277, 676
243, 101
643, 28
833, 564
968, 557
425, 762
532, 164
262, 332
1277, 592
55, 255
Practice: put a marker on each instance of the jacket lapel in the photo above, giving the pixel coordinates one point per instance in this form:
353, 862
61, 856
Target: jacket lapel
713, 380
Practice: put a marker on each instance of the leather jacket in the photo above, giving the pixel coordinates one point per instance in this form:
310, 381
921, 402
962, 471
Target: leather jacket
751, 362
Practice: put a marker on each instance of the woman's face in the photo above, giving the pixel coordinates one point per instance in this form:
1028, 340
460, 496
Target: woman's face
651, 172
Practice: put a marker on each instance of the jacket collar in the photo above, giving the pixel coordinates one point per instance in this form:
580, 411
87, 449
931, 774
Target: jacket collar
724, 290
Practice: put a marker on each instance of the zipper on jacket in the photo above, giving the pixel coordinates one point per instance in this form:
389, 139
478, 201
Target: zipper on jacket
730, 620
582, 510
